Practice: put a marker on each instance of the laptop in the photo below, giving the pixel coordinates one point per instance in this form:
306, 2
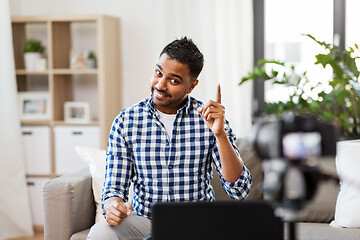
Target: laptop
245, 220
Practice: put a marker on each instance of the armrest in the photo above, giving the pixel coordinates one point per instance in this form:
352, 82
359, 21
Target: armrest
69, 205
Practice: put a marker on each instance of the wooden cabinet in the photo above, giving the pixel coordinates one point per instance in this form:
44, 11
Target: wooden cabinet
100, 86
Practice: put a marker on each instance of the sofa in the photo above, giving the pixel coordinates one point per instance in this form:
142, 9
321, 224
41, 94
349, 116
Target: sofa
70, 208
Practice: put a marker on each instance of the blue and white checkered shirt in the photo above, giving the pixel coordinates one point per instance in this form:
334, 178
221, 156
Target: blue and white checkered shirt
162, 169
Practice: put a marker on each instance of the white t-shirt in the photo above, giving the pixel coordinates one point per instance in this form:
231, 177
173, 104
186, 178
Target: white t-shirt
168, 121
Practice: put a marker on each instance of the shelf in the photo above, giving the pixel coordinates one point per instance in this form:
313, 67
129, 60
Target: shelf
63, 123
74, 71
62, 71
26, 72
35, 123
57, 123
39, 176
56, 18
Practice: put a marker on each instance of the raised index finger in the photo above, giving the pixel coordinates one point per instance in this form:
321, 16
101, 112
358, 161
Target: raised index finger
218, 95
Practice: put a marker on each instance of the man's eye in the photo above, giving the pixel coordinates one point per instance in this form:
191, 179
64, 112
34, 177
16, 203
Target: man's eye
158, 73
174, 81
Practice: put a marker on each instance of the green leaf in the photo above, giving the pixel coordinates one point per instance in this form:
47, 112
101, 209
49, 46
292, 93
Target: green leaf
274, 73
263, 62
327, 115
324, 44
33, 45
279, 82
350, 62
322, 59
257, 71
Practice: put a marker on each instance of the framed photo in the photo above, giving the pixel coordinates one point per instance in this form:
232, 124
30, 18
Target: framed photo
77, 112
34, 106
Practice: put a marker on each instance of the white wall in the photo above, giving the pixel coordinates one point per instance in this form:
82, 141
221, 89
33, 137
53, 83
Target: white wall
147, 25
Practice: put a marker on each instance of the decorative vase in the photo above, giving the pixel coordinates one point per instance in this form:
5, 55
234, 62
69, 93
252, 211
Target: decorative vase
30, 59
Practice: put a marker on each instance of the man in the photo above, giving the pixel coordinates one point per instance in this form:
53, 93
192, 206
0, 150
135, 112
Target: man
166, 146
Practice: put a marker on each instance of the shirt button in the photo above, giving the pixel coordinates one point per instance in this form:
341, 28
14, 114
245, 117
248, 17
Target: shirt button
167, 143
170, 167
171, 191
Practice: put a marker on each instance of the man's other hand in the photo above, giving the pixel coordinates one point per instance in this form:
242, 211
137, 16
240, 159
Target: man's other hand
116, 210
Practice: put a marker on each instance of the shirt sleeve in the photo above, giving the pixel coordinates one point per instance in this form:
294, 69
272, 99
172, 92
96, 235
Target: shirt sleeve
241, 188
119, 164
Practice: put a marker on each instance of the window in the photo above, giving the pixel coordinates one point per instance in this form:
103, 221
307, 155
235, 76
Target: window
285, 22
352, 19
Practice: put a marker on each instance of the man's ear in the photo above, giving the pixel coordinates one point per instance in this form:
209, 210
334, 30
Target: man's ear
192, 85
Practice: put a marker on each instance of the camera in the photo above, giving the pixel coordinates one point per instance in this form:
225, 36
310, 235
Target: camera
294, 137
289, 148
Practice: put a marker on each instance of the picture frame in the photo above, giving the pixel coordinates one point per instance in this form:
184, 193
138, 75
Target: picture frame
77, 112
34, 106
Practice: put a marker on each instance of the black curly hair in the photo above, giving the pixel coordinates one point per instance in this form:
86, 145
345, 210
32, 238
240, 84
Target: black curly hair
185, 51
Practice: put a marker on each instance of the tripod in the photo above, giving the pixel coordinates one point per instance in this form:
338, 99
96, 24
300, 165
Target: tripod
292, 230
289, 217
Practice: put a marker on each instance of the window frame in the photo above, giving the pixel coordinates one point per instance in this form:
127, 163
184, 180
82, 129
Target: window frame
258, 102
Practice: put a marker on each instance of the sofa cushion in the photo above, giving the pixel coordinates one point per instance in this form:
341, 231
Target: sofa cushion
321, 208
348, 201
253, 163
322, 231
96, 159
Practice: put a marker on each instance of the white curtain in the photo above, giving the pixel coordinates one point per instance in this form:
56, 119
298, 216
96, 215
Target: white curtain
15, 217
223, 31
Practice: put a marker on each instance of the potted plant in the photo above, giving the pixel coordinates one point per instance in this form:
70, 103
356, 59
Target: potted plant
32, 50
91, 60
338, 100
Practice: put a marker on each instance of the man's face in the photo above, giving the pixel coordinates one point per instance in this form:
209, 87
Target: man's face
170, 84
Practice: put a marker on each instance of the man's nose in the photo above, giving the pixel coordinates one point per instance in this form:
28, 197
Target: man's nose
161, 85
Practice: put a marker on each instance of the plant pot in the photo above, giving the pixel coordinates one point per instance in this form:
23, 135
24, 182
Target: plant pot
30, 59
91, 63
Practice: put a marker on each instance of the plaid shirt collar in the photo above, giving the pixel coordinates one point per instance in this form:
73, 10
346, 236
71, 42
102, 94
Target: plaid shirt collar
185, 108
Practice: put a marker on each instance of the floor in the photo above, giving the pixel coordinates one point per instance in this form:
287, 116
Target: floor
39, 235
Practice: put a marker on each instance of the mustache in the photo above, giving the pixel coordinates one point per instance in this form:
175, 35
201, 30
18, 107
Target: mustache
161, 91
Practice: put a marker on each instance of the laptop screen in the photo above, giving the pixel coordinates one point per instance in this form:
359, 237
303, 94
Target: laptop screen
245, 220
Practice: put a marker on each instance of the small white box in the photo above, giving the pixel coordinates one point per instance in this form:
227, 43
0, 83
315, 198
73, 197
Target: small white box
36, 199
37, 150
66, 139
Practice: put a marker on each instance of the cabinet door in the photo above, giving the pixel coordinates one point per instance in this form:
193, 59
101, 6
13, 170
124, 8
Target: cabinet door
36, 142
36, 199
66, 139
